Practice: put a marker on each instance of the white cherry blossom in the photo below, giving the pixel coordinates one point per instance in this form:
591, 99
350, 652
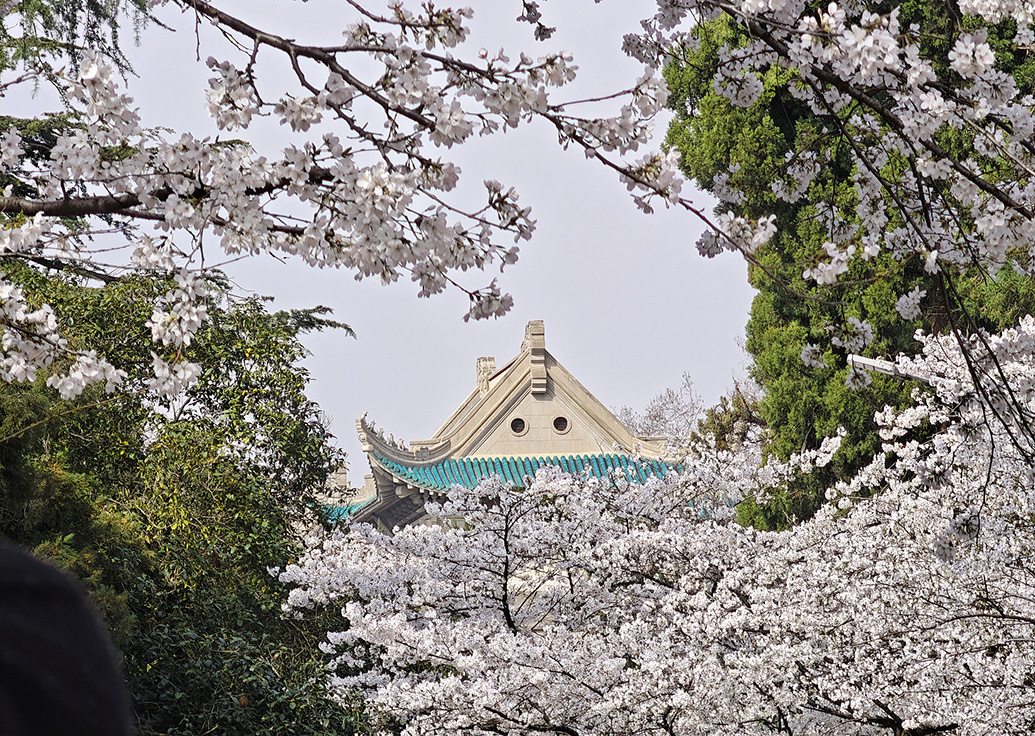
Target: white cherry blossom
592, 607
360, 182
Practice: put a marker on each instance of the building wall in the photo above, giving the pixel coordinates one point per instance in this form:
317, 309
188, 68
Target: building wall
540, 436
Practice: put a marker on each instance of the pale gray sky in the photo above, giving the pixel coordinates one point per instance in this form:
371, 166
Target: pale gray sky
628, 304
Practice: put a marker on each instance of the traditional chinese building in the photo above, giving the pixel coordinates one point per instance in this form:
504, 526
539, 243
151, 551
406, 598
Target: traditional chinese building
528, 413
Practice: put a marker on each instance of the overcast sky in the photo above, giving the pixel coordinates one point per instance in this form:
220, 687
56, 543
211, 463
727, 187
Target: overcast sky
628, 304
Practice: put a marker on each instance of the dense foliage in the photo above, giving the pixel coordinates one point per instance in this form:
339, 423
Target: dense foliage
742, 153
171, 519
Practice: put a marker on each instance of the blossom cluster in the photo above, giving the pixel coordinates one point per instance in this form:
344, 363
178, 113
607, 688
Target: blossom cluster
359, 183
890, 99
184, 314
731, 232
600, 607
30, 341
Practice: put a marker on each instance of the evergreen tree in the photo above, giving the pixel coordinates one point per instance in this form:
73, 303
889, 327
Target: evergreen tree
738, 153
172, 518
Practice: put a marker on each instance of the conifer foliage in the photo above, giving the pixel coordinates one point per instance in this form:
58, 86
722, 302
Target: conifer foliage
171, 515
749, 156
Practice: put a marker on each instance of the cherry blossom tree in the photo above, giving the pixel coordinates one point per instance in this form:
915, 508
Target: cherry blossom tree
362, 183
905, 606
915, 155
579, 606
672, 414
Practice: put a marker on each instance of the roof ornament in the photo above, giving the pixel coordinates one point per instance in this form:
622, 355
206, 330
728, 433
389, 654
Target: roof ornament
535, 343
484, 370
535, 335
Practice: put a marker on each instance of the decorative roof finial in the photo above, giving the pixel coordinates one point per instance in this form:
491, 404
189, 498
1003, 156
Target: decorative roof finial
535, 335
484, 370
535, 344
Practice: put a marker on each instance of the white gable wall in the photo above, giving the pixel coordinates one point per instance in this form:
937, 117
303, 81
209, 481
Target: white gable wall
535, 388
540, 437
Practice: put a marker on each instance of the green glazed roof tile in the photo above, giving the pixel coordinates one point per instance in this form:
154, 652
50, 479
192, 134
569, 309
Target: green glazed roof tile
469, 472
465, 477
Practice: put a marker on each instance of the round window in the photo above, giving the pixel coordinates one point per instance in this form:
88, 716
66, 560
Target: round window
560, 424
517, 426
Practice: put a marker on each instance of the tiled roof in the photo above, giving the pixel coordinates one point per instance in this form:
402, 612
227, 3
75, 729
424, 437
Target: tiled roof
335, 514
469, 472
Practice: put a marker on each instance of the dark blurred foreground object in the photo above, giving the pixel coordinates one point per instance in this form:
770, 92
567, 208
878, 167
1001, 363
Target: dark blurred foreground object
58, 670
